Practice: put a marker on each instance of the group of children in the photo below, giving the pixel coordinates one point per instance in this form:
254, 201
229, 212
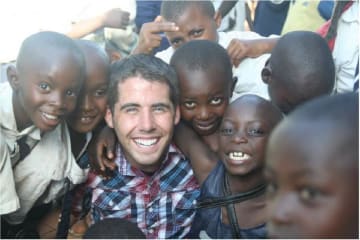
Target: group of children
261, 173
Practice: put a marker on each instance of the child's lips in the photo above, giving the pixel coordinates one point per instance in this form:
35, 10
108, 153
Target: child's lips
86, 119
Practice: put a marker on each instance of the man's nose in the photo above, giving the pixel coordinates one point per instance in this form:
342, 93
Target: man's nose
147, 121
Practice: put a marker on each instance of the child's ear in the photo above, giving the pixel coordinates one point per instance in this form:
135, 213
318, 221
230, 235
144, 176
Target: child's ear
109, 117
13, 77
235, 79
266, 72
217, 18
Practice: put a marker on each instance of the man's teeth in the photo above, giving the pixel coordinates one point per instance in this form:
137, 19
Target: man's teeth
238, 156
49, 116
146, 142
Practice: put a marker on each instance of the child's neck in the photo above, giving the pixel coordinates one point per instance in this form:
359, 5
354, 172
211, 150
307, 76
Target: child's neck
245, 183
78, 141
212, 141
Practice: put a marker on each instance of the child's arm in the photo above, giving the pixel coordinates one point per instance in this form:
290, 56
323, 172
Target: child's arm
114, 18
239, 49
149, 35
101, 151
202, 158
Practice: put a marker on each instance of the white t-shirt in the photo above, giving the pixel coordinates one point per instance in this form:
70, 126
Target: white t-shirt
249, 70
346, 49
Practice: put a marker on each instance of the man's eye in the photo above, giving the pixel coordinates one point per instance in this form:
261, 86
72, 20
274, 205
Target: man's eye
226, 131
189, 105
44, 86
216, 101
131, 110
159, 109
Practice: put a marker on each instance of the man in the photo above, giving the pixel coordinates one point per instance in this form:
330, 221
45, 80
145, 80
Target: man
154, 185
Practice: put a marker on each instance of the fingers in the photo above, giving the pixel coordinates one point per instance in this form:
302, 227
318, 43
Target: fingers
237, 52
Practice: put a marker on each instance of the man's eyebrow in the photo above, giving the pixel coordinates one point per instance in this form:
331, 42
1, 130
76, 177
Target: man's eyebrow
165, 105
127, 105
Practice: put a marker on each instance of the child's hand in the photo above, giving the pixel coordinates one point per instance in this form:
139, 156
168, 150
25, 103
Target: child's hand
102, 152
238, 50
149, 36
116, 18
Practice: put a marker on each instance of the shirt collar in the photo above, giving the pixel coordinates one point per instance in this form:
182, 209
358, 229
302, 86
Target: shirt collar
7, 113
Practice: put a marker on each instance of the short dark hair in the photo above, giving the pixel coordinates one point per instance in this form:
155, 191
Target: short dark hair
203, 55
302, 62
39, 44
172, 10
114, 228
146, 66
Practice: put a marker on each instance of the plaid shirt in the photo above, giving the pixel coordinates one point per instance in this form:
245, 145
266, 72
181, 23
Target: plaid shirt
162, 205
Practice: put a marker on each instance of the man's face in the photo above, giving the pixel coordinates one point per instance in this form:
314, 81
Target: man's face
143, 119
193, 25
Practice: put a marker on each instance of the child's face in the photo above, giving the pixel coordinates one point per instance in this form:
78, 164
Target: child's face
47, 90
193, 25
92, 100
204, 97
309, 195
243, 134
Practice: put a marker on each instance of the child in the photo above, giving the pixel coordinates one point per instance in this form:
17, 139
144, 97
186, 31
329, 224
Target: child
44, 89
183, 21
300, 68
88, 115
243, 135
312, 169
114, 228
206, 85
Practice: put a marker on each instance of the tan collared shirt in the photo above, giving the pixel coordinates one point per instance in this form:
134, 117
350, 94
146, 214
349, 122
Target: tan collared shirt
40, 176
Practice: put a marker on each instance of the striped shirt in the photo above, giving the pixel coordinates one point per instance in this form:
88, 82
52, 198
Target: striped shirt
162, 205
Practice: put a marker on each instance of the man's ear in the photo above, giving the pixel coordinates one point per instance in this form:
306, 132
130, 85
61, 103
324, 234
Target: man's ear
13, 78
266, 72
217, 19
177, 115
109, 118
233, 85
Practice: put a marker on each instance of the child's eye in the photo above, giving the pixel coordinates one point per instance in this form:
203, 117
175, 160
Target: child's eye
197, 33
176, 43
70, 93
226, 131
308, 194
100, 92
44, 86
256, 132
190, 105
216, 101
